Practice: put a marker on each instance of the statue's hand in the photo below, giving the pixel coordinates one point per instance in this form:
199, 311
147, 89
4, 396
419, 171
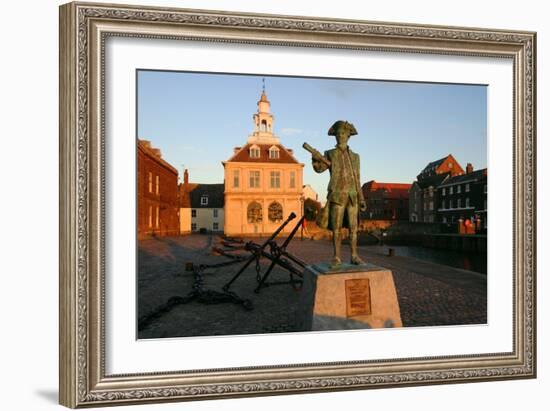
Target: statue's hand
363, 205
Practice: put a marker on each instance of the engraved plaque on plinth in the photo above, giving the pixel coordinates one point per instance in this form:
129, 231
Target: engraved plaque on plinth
354, 297
357, 297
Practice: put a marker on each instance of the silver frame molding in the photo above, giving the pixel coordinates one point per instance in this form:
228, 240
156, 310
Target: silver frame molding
83, 30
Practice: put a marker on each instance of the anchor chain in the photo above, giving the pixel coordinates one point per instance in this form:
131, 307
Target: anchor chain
199, 293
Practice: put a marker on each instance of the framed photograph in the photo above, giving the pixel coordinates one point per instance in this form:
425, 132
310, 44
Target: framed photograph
263, 204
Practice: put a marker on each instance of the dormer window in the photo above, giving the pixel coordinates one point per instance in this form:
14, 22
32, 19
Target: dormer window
274, 153
254, 152
204, 200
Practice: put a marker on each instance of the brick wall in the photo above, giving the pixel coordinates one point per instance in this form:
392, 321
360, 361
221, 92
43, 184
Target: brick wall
157, 183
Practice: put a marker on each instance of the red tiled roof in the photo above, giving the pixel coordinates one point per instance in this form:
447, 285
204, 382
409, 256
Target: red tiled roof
393, 190
435, 168
388, 186
243, 155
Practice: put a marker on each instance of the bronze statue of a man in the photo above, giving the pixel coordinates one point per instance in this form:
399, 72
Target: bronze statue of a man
344, 197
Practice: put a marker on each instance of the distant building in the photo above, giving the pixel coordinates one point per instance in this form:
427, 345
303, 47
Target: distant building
386, 201
423, 197
157, 187
309, 192
464, 197
263, 180
207, 207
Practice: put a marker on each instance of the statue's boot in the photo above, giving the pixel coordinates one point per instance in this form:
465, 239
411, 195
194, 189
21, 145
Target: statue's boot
336, 262
356, 260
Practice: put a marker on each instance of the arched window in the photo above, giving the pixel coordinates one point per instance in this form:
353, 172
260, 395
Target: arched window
275, 212
254, 212
263, 125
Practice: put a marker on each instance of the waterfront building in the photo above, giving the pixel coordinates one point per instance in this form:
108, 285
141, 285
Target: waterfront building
423, 197
157, 190
463, 199
386, 201
263, 180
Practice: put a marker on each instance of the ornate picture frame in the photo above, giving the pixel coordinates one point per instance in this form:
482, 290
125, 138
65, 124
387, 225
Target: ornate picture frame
84, 29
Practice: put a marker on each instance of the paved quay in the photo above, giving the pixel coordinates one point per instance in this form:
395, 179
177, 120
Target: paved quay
429, 294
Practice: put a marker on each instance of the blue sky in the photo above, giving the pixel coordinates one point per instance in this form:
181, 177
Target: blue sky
196, 119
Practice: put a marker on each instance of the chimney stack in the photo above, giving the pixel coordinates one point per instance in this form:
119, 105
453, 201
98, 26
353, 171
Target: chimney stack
469, 168
186, 178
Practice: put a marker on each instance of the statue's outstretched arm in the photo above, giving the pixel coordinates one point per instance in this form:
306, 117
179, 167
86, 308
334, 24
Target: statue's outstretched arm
318, 165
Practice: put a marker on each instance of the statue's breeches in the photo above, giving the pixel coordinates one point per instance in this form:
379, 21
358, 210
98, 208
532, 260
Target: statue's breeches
343, 214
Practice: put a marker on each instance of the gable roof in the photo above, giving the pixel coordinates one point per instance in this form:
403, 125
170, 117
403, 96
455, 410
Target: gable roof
434, 180
243, 155
433, 167
434, 164
464, 178
214, 193
153, 153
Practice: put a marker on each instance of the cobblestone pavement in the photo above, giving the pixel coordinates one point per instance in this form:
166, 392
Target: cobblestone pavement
429, 294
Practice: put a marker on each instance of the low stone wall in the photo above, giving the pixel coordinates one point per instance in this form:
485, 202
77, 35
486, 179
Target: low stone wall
404, 233
370, 231
457, 242
373, 225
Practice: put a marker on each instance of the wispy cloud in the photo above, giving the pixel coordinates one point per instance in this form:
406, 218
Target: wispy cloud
289, 131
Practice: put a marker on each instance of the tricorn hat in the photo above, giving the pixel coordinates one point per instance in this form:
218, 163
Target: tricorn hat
342, 123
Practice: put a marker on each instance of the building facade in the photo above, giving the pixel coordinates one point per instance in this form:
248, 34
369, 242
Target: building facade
423, 196
463, 200
423, 199
207, 208
386, 201
263, 181
157, 189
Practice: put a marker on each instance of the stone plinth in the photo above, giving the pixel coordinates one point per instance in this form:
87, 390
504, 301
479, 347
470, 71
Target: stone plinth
350, 297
